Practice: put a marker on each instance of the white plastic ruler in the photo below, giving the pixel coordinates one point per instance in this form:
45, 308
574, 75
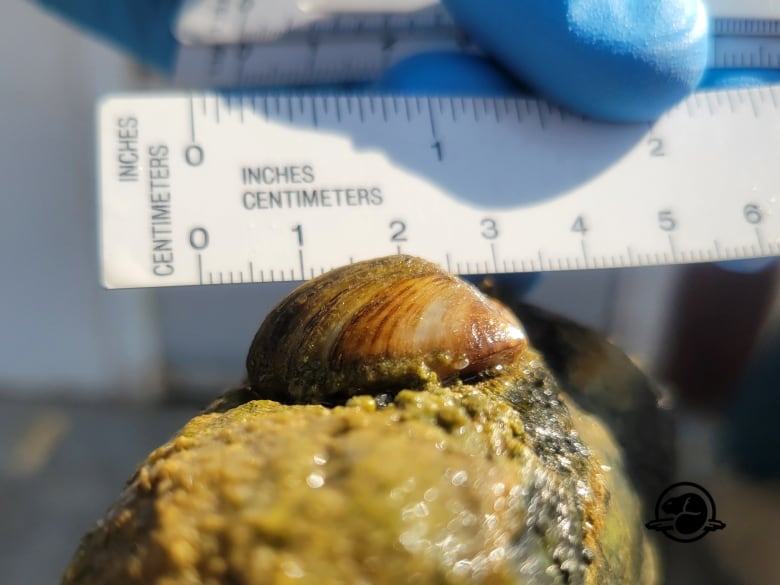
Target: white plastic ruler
208, 189
255, 42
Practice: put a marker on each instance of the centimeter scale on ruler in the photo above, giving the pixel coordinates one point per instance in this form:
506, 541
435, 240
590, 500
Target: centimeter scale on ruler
240, 42
206, 188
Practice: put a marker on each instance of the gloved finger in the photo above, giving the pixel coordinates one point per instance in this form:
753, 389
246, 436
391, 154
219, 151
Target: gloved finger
143, 28
448, 73
620, 60
736, 79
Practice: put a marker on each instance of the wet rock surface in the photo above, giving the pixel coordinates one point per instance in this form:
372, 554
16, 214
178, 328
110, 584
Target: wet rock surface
506, 477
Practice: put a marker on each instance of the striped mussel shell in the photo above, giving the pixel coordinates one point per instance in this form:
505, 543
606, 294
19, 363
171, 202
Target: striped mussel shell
384, 324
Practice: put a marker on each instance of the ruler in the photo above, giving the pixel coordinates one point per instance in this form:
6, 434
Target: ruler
212, 189
256, 42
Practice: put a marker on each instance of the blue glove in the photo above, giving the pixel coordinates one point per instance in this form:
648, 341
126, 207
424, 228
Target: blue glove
142, 28
622, 60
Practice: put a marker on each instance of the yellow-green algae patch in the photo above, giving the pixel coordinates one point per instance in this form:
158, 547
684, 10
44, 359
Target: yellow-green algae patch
468, 483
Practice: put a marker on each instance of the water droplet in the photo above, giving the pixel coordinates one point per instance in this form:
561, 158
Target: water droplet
461, 363
460, 478
431, 494
315, 480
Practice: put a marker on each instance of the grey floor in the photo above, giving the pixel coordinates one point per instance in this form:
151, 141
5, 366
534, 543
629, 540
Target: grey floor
62, 465
60, 468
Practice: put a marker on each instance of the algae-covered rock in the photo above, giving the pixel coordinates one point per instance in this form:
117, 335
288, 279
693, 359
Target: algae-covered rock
506, 477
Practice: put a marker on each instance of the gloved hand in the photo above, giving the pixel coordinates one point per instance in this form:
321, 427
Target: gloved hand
622, 60
141, 28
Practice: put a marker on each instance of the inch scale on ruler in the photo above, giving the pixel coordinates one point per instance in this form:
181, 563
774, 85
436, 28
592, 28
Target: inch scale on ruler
209, 189
242, 42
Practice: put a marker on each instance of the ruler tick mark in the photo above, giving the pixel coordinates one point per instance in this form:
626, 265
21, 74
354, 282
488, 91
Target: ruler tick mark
361, 113
290, 111
539, 114
251, 271
730, 98
494, 255
760, 238
710, 107
584, 251
192, 118
313, 105
773, 95
242, 107
672, 247
200, 269
753, 105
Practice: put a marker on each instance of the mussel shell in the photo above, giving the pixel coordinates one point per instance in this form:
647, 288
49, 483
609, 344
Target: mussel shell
392, 323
